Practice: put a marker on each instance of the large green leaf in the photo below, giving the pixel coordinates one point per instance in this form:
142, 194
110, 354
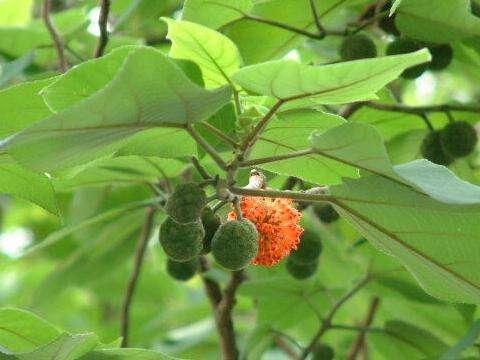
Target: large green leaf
438, 242
14, 68
20, 182
329, 84
442, 21
465, 342
65, 347
216, 55
15, 12
214, 14
23, 331
126, 354
149, 91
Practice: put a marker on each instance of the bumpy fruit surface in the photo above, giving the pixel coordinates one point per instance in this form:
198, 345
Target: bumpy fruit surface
323, 352
301, 271
326, 213
442, 56
235, 244
181, 242
186, 203
309, 250
404, 46
182, 271
211, 222
357, 46
459, 138
432, 149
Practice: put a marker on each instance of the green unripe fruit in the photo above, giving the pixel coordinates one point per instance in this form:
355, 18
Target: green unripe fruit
301, 271
326, 213
442, 56
211, 222
405, 46
357, 46
181, 242
475, 6
459, 138
309, 249
186, 203
235, 244
182, 271
432, 149
323, 352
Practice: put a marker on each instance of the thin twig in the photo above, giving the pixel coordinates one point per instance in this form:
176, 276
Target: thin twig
201, 170
224, 317
270, 159
214, 293
356, 328
327, 322
350, 109
206, 146
103, 25
54, 34
132, 281
422, 109
285, 346
295, 195
220, 134
316, 17
360, 341
237, 208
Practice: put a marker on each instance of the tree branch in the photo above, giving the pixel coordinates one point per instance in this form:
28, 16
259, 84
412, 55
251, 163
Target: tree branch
316, 17
314, 194
214, 293
201, 170
132, 282
360, 341
286, 348
103, 25
57, 39
270, 159
327, 322
206, 146
418, 110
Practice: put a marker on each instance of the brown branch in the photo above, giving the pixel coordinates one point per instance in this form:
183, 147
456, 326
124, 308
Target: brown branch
132, 281
201, 170
360, 341
54, 34
224, 317
214, 293
103, 25
285, 346
327, 322
418, 110
350, 109
270, 159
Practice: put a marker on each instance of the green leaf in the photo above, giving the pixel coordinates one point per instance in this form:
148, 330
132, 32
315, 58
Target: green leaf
455, 352
215, 14
435, 241
14, 68
15, 12
65, 347
126, 354
20, 182
22, 105
443, 22
21, 330
329, 84
289, 132
216, 55
149, 91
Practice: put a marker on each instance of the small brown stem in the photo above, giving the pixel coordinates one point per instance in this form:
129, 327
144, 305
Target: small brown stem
103, 25
237, 208
132, 282
327, 322
54, 34
270, 159
214, 293
309, 195
360, 341
201, 170
316, 17
285, 346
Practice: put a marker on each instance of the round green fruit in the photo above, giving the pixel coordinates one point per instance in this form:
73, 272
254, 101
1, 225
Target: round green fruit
475, 7
442, 56
357, 46
211, 222
235, 244
182, 271
459, 138
405, 46
309, 249
326, 213
323, 352
181, 242
301, 271
186, 203
433, 150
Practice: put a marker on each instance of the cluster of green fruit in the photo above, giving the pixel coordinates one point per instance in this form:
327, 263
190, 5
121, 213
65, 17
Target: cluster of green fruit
192, 229
303, 262
456, 140
361, 46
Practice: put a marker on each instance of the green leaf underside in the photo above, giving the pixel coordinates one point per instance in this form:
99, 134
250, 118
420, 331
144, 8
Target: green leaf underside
465, 342
445, 22
329, 84
216, 55
149, 91
435, 241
